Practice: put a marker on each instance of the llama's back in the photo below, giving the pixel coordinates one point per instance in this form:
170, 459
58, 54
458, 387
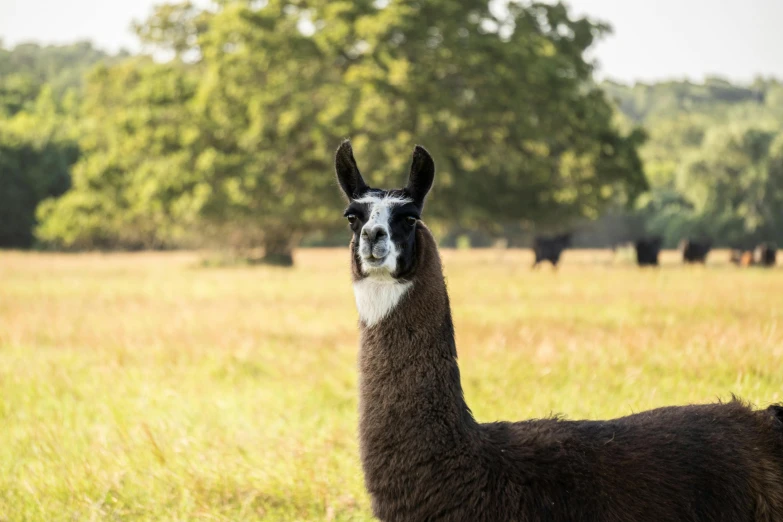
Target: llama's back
719, 462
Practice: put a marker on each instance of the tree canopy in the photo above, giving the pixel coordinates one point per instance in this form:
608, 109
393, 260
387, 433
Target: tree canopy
39, 96
231, 140
28, 68
226, 136
712, 158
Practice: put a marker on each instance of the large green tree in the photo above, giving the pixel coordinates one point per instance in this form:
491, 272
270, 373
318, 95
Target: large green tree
503, 98
234, 137
270, 108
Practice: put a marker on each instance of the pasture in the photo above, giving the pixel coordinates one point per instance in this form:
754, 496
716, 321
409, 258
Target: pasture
145, 387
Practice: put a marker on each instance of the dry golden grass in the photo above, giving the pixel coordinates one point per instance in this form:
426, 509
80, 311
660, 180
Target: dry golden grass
141, 387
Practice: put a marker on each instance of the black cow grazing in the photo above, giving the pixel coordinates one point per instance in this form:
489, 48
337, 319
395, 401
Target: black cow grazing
549, 248
695, 251
766, 254
647, 250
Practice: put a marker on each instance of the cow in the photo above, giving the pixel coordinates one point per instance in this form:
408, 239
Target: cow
695, 251
647, 250
765, 254
549, 248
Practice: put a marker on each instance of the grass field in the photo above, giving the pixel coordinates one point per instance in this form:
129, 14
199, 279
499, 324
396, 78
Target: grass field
142, 387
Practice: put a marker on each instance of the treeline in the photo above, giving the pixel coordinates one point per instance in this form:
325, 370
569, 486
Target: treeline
714, 159
230, 141
40, 92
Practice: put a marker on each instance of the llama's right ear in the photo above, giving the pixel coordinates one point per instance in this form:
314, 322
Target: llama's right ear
422, 175
348, 174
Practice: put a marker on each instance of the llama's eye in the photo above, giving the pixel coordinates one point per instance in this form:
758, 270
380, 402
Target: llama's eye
411, 220
351, 218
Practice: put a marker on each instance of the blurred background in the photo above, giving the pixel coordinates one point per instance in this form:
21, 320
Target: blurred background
140, 125
159, 162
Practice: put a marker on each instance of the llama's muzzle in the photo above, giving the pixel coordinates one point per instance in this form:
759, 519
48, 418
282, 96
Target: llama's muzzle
374, 244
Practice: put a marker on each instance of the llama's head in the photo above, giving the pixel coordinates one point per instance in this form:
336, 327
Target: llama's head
384, 222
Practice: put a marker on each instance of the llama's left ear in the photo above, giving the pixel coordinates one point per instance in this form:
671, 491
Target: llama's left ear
421, 176
348, 174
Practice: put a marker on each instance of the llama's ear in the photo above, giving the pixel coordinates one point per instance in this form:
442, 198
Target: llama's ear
421, 176
348, 174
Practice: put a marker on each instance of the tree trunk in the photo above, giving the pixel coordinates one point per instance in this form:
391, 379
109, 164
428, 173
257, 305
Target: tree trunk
278, 249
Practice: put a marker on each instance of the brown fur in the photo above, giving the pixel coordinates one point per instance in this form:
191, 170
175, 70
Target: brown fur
425, 458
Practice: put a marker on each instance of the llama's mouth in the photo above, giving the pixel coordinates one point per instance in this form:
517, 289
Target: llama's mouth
378, 258
374, 262
375, 265
374, 255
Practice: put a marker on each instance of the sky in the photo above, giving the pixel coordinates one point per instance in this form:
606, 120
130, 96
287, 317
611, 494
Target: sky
652, 39
661, 39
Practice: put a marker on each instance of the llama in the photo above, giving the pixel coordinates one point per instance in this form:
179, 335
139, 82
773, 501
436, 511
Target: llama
425, 457
550, 248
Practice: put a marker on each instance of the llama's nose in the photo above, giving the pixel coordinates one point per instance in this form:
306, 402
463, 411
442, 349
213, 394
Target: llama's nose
374, 233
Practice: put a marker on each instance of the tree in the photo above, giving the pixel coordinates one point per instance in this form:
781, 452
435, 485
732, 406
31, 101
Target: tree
36, 154
504, 100
234, 137
39, 90
137, 184
269, 109
709, 157
27, 68
730, 189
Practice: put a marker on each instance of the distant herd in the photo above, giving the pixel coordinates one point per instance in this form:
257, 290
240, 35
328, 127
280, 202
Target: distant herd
550, 248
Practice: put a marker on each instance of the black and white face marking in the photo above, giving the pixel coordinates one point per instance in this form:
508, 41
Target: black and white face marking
384, 227
384, 232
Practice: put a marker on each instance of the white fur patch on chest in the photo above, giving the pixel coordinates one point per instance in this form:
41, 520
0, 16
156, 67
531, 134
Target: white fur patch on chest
377, 297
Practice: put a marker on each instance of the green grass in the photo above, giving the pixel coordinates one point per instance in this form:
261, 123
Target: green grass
143, 387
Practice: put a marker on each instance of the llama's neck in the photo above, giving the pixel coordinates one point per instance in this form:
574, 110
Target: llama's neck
412, 408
